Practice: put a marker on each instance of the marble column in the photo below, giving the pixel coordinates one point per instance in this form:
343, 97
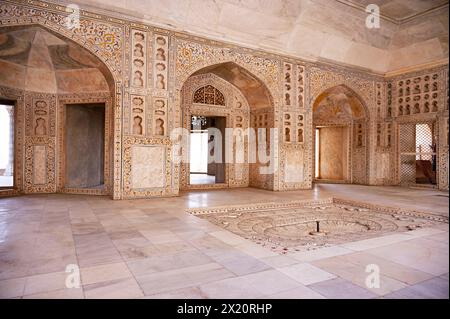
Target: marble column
9, 171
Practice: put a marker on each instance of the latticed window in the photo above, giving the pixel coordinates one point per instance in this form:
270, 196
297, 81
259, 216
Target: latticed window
209, 95
418, 161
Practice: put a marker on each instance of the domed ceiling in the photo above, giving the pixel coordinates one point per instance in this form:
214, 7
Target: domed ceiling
33, 59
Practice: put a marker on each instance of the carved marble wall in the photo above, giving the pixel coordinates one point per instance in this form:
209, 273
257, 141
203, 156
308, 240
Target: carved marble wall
148, 67
194, 54
40, 142
261, 176
421, 97
293, 135
209, 95
342, 108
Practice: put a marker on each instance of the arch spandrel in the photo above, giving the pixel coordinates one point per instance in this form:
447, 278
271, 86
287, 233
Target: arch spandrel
338, 104
322, 80
192, 57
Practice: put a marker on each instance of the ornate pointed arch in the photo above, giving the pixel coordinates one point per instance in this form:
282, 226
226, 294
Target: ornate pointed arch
103, 39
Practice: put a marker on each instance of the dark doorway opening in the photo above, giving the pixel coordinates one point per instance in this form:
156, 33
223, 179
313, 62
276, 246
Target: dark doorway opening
85, 145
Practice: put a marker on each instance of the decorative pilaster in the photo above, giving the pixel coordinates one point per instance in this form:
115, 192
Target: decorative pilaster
9, 171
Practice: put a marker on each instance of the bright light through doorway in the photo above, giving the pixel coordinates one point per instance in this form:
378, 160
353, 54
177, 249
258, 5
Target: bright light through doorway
316, 173
199, 158
424, 142
199, 152
6, 175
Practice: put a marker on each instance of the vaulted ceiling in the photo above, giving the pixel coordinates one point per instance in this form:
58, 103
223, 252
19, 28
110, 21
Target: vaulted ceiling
254, 91
412, 32
34, 59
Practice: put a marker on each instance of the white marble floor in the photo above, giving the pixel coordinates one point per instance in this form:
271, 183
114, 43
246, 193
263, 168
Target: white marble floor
154, 249
198, 179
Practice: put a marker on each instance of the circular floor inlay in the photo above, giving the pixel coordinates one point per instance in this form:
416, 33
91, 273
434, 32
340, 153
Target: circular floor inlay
299, 226
327, 227
294, 228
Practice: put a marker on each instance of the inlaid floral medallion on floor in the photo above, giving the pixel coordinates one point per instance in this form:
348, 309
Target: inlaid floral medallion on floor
304, 225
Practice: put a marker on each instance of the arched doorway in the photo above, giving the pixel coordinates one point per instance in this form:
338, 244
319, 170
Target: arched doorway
340, 137
64, 129
245, 106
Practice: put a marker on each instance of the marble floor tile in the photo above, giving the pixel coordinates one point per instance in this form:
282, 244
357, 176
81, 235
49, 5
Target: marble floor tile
159, 263
254, 285
228, 237
185, 293
141, 252
279, 261
301, 292
443, 237
13, 267
95, 249
182, 278
45, 283
85, 228
12, 288
73, 293
306, 274
123, 244
160, 236
125, 288
240, 263
123, 234
376, 242
255, 250
387, 268
422, 254
153, 248
173, 247
107, 272
54, 262
358, 274
320, 253
435, 288
339, 288
422, 232
211, 246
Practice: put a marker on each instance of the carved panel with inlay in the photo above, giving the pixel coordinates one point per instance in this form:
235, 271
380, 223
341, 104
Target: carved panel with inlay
160, 62
139, 59
160, 117
138, 115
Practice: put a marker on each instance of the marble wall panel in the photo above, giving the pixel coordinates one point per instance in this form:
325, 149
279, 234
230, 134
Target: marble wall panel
148, 167
294, 168
39, 165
